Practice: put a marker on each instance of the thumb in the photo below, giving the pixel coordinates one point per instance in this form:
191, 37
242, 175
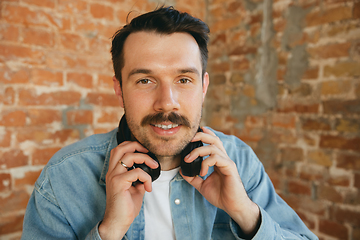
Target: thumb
196, 181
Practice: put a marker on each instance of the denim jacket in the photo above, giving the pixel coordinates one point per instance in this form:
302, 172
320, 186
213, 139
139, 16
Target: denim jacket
69, 198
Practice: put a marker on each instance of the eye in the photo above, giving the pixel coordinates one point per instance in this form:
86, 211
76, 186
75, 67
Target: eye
184, 80
144, 81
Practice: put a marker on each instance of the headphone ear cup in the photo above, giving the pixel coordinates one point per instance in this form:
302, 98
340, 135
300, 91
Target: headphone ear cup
191, 169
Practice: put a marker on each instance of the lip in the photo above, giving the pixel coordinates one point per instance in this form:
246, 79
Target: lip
165, 132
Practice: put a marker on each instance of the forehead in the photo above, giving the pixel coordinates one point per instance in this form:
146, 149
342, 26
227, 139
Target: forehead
151, 50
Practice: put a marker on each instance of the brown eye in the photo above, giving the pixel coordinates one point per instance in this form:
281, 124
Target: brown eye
184, 80
144, 81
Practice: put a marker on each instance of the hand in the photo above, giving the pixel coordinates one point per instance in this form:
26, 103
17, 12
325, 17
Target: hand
123, 201
223, 188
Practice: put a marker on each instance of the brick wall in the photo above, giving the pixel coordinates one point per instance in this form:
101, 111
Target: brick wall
285, 78
55, 85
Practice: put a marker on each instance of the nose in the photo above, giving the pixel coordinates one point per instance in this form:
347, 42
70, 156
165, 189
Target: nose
166, 99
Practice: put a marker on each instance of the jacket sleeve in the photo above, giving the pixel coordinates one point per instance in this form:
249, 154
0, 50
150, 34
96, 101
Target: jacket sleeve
45, 220
278, 219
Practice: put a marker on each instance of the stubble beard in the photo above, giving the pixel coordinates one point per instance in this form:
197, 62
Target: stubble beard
163, 146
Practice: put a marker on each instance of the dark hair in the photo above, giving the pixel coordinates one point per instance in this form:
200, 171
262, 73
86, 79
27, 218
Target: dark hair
165, 20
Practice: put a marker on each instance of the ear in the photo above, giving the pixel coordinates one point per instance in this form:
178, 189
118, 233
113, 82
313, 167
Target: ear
118, 91
205, 84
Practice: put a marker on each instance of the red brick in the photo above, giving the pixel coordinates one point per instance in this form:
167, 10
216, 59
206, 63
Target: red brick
335, 50
299, 108
15, 118
13, 158
338, 142
7, 96
46, 77
41, 3
348, 161
42, 156
80, 79
24, 15
99, 45
5, 138
329, 193
319, 124
339, 181
9, 33
105, 30
243, 50
29, 97
342, 107
242, 64
356, 12
342, 69
41, 136
284, 121
357, 90
356, 231
299, 188
101, 11
320, 157
41, 117
328, 16
38, 37
71, 7
309, 173
333, 229
220, 67
29, 178
72, 41
335, 87
109, 116
103, 99
347, 125
357, 180
105, 81
345, 216
227, 23
292, 154
11, 224
78, 116
15, 52
8, 76
5, 181
311, 73
17, 200
249, 134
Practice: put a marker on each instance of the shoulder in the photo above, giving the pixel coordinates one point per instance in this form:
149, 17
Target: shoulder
87, 154
93, 143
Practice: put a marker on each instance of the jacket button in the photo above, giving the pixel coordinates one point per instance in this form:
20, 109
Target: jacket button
177, 201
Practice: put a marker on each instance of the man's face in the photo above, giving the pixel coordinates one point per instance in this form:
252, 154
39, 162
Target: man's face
162, 77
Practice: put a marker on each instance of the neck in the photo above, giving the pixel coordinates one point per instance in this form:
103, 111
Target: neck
169, 163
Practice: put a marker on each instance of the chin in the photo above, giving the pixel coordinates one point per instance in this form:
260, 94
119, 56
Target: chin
167, 149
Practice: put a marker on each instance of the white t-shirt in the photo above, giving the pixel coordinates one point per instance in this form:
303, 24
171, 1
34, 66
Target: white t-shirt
158, 221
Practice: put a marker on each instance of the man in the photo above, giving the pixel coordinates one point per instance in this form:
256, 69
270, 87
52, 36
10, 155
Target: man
91, 190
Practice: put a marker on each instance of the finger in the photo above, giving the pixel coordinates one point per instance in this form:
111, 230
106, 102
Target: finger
128, 160
210, 138
118, 152
125, 180
224, 165
196, 181
202, 152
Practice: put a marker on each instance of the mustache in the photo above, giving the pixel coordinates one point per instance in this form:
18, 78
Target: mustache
160, 117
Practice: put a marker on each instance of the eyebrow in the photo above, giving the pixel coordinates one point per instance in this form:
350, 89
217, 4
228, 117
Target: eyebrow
148, 71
